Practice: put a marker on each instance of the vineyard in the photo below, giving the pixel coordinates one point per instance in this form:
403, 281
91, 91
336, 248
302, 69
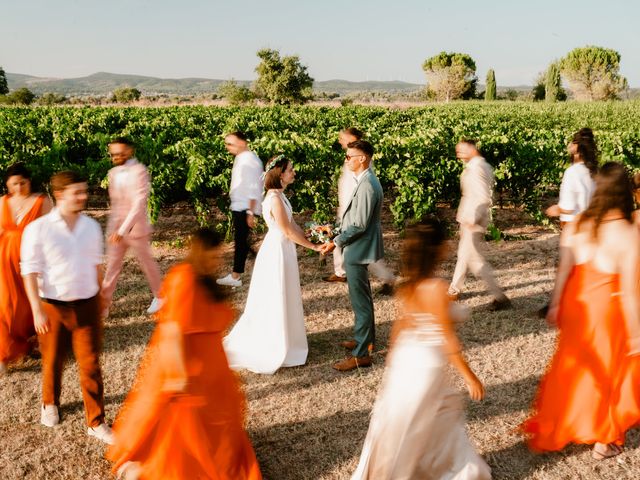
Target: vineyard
415, 160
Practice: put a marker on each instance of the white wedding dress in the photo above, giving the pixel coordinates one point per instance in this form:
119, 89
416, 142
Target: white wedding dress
271, 332
417, 427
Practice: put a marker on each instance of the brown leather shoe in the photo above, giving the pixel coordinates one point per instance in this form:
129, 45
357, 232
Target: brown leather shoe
334, 278
349, 344
351, 363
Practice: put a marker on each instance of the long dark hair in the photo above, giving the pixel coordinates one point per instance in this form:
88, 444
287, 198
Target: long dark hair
614, 191
421, 249
203, 240
587, 149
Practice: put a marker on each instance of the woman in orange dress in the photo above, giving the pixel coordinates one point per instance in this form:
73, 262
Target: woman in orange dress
17, 209
184, 417
591, 392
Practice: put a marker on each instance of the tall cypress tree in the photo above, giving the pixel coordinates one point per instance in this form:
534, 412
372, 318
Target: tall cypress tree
4, 87
490, 92
552, 86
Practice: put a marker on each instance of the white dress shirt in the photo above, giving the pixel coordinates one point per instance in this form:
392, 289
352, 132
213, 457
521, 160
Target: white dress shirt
65, 260
576, 190
246, 182
121, 174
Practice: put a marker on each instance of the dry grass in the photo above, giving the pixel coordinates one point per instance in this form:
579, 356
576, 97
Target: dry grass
310, 422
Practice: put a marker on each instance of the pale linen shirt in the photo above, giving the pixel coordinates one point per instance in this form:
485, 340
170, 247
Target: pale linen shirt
576, 190
346, 185
246, 182
65, 260
476, 183
121, 174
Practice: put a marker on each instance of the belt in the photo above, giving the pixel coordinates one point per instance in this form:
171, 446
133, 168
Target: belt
71, 304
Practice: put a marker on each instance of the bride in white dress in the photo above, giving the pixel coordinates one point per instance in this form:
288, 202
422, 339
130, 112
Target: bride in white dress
270, 333
417, 428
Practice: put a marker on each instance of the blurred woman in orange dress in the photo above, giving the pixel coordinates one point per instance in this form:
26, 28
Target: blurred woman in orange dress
17, 209
591, 392
184, 417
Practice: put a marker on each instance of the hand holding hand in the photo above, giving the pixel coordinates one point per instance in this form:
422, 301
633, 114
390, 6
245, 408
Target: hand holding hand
40, 321
328, 248
115, 238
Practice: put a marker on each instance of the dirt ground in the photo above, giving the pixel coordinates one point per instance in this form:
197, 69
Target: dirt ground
310, 422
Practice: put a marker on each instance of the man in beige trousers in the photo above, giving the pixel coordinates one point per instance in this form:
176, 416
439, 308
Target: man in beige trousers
476, 183
128, 225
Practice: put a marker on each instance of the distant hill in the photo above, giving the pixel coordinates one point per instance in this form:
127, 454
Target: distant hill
103, 83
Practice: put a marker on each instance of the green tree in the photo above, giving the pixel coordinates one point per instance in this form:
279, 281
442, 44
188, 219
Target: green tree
538, 92
490, 91
50, 98
451, 76
4, 86
235, 94
21, 96
592, 73
282, 80
553, 84
126, 95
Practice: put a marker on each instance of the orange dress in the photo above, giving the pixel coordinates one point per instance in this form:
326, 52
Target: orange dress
16, 321
591, 392
197, 433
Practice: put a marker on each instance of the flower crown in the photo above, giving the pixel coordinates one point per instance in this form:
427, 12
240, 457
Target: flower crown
273, 163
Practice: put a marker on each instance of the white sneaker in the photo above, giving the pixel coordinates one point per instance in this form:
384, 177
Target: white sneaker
49, 416
229, 281
103, 433
156, 304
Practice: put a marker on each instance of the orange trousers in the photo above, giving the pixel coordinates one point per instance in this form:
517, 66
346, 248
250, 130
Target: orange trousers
77, 325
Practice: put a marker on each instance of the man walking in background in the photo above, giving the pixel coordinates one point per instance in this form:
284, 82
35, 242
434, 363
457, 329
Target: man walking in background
346, 187
476, 183
61, 263
128, 225
246, 196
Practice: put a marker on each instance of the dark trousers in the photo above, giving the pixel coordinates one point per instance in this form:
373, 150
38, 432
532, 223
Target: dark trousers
77, 327
362, 304
241, 240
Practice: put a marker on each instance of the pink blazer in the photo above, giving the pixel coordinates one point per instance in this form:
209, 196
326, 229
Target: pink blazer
129, 195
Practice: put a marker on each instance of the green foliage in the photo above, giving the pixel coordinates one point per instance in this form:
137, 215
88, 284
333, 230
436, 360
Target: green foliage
415, 159
126, 95
234, 93
553, 84
451, 76
282, 80
51, 99
4, 86
593, 73
491, 90
21, 96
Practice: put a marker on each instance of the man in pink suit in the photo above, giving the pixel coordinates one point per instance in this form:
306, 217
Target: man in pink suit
128, 225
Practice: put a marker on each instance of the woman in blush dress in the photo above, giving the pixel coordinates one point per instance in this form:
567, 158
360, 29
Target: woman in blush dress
591, 391
17, 209
417, 426
184, 418
270, 333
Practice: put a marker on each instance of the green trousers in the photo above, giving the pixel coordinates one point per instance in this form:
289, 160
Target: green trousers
362, 304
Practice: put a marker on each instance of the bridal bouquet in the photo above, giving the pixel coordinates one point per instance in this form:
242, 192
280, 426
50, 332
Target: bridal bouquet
321, 233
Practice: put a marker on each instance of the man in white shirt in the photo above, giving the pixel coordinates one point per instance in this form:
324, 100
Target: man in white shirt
61, 262
128, 225
346, 187
476, 183
246, 194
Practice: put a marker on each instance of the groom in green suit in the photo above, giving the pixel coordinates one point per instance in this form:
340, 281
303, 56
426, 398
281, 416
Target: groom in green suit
361, 241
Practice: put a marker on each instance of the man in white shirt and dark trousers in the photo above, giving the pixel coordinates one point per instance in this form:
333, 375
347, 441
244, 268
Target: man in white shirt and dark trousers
61, 262
476, 183
246, 195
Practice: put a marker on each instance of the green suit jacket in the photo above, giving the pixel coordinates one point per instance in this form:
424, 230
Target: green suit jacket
360, 230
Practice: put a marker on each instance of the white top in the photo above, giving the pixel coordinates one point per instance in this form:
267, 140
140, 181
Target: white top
121, 173
476, 182
576, 190
246, 182
346, 185
65, 260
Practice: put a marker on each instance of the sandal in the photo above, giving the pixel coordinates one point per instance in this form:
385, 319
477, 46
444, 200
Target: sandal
612, 450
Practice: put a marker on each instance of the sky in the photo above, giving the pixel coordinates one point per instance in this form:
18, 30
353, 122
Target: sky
355, 40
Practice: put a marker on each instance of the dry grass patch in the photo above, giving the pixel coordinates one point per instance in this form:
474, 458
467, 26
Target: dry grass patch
309, 422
